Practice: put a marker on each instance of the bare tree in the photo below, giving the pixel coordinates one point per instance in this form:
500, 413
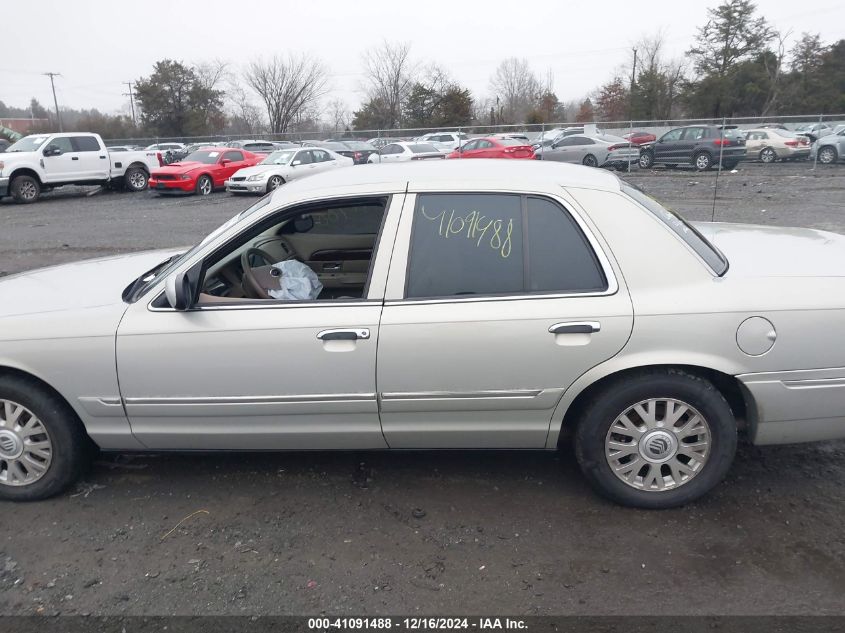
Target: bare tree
245, 116
339, 117
288, 86
518, 88
389, 75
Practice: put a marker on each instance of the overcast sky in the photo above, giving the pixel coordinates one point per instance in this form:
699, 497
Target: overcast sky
97, 44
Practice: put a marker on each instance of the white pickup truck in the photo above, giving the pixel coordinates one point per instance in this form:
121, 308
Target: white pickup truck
40, 162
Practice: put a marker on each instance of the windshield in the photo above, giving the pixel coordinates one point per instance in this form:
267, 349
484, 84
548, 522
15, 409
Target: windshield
28, 144
695, 240
208, 157
143, 283
279, 158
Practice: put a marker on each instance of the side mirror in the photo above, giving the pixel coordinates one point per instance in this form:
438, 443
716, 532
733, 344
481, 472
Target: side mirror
225, 161
296, 162
181, 288
52, 150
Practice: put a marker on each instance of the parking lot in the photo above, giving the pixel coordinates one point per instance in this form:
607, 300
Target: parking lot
430, 533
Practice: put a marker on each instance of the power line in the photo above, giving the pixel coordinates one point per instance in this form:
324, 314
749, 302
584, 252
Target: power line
55, 101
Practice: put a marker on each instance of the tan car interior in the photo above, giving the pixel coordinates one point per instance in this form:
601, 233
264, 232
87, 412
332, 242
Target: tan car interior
336, 242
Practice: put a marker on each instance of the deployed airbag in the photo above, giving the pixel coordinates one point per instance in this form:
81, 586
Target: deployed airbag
297, 282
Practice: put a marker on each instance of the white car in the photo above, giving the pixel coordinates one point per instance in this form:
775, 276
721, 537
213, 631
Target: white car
444, 141
283, 166
40, 162
402, 152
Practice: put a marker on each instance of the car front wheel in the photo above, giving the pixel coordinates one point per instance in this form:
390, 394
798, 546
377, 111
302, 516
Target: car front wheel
646, 160
25, 189
204, 186
43, 448
274, 182
827, 155
659, 439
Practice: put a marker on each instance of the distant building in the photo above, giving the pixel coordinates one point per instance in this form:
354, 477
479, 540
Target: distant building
23, 126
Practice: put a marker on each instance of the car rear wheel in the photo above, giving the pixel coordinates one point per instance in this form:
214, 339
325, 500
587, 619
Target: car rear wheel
768, 155
590, 161
204, 186
136, 179
274, 182
660, 439
646, 159
827, 155
702, 161
25, 189
43, 448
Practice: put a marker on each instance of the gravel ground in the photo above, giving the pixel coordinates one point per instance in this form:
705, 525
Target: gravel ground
432, 533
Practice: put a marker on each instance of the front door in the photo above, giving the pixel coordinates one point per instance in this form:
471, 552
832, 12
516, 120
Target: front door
667, 148
505, 301
64, 167
236, 372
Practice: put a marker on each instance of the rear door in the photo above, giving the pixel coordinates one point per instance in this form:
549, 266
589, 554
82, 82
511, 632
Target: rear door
496, 303
94, 161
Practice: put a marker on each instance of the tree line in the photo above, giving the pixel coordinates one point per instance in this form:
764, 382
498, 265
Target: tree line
738, 65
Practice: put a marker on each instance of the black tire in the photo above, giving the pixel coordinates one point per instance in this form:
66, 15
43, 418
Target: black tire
768, 155
827, 155
71, 447
702, 161
616, 398
646, 159
25, 189
590, 161
136, 179
204, 186
274, 182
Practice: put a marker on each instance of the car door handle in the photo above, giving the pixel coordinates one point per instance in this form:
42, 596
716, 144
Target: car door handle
74, 157
344, 335
103, 157
575, 327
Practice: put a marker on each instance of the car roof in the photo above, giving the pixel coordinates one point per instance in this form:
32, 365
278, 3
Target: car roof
518, 173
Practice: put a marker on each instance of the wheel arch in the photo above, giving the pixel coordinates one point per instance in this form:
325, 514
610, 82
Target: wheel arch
739, 398
16, 372
25, 171
140, 164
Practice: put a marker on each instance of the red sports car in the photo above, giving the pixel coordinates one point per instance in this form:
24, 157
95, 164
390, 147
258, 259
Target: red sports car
638, 138
492, 147
202, 171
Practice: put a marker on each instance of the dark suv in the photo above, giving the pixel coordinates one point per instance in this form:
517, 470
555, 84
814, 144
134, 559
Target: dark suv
698, 145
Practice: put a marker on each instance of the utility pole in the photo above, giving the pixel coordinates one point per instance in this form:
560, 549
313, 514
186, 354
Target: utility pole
634, 69
55, 101
131, 100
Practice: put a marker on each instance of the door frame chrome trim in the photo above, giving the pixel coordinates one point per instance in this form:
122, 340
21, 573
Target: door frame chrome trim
222, 400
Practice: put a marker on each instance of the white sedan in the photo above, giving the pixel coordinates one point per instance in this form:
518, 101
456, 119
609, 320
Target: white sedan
402, 152
283, 166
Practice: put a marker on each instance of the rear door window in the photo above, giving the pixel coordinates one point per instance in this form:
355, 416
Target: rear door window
85, 144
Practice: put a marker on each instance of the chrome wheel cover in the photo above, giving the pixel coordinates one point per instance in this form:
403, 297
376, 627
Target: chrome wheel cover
205, 187
26, 450
658, 444
826, 155
702, 161
768, 155
275, 183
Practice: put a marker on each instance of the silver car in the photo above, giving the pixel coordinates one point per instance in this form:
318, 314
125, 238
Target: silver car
599, 150
283, 166
829, 149
772, 144
436, 305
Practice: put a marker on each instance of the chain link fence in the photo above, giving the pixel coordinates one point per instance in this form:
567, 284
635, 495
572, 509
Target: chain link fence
532, 131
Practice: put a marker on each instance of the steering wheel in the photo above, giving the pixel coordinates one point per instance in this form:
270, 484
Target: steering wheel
252, 281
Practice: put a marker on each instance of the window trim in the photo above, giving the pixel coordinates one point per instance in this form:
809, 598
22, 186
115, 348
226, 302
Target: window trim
267, 221
612, 285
